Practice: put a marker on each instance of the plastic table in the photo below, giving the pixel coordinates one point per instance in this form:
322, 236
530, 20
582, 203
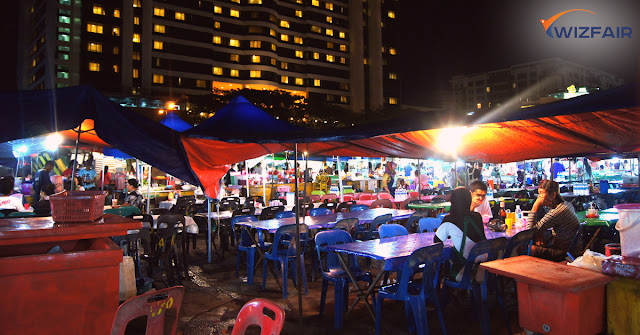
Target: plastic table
606, 218
555, 298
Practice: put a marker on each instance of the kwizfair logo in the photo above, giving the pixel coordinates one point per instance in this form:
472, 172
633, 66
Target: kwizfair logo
582, 31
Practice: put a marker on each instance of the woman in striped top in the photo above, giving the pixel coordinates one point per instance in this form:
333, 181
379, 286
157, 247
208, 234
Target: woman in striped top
560, 217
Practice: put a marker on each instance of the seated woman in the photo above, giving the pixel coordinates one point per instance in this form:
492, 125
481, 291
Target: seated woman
43, 207
560, 217
462, 226
9, 204
134, 197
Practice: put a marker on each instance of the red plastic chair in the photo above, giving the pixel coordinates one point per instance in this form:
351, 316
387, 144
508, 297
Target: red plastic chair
413, 194
252, 313
153, 305
348, 197
329, 197
385, 195
367, 196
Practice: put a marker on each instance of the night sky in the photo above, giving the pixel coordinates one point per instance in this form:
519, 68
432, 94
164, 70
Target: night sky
440, 39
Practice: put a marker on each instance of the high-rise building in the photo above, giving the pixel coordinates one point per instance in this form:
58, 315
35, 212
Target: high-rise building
525, 84
338, 51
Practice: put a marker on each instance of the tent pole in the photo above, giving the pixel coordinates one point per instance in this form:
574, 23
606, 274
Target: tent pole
419, 186
297, 241
306, 170
246, 171
264, 183
551, 170
569, 171
340, 179
149, 191
209, 229
75, 160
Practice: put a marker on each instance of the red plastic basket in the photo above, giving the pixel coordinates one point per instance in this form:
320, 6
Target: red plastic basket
77, 206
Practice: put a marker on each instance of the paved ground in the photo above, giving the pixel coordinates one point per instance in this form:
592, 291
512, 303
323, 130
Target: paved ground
214, 297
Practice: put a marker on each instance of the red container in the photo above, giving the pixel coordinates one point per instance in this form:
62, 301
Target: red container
77, 206
612, 249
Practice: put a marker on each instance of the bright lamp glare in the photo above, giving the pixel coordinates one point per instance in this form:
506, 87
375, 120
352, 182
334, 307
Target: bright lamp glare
52, 142
450, 139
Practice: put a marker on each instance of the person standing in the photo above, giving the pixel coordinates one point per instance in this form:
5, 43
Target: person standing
42, 179
557, 168
388, 179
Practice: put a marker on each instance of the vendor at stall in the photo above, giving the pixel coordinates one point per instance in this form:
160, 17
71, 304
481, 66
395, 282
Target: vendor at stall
560, 217
388, 179
134, 197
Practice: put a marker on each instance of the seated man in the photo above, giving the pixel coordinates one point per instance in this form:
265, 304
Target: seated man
479, 202
561, 218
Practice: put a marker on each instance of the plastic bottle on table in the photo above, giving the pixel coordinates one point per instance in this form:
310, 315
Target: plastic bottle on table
489, 193
519, 221
503, 212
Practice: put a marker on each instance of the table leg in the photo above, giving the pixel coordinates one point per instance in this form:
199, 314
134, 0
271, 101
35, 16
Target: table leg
360, 291
592, 238
261, 258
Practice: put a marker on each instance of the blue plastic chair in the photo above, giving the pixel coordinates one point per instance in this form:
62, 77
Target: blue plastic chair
371, 233
415, 293
441, 216
490, 248
244, 245
391, 230
521, 239
356, 208
413, 220
285, 214
334, 273
320, 211
429, 225
284, 254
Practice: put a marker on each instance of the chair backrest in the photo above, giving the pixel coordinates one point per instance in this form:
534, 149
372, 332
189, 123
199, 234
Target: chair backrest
423, 259
196, 208
287, 232
304, 208
358, 195
348, 225
380, 220
523, 238
329, 205
356, 208
236, 199
413, 194
281, 201
244, 211
391, 230
412, 221
441, 216
345, 206
403, 204
318, 193
573, 251
491, 248
416, 202
327, 238
315, 197
385, 195
438, 199
367, 196
270, 212
329, 197
429, 225
158, 211
285, 214
153, 305
320, 211
382, 203
228, 205
347, 197
252, 313
245, 240
169, 220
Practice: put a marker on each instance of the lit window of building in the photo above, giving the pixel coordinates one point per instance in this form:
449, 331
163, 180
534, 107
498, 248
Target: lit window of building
299, 13
116, 68
299, 54
136, 20
328, 6
331, 58
136, 38
158, 45
64, 19
157, 11
158, 79
179, 16
329, 19
284, 37
299, 81
116, 50
94, 66
341, 34
61, 75
234, 58
272, 32
343, 47
64, 38
216, 25
135, 73
98, 10
316, 82
391, 14
488, 89
274, 47
329, 32
255, 2
217, 71
297, 40
284, 79
285, 24
343, 60
273, 61
234, 73
236, 1
137, 3
94, 47
217, 9
234, 13
392, 51
343, 99
135, 55
255, 44
393, 100
201, 83
95, 28
115, 31
255, 74
158, 28
116, 13
329, 45
217, 39
479, 105
284, 65
316, 29
255, 59
315, 3
316, 55
393, 75
234, 43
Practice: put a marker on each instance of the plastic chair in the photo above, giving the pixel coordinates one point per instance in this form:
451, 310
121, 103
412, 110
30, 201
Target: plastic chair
329, 197
356, 208
385, 195
478, 287
345, 206
391, 230
521, 239
573, 247
348, 197
318, 193
371, 233
348, 225
413, 194
285, 214
441, 216
270, 212
403, 204
367, 196
415, 293
304, 208
382, 203
153, 305
168, 227
439, 199
244, 245
315, 197
320, 211
334, 273
412, 221
284, 253
252, 313
429, 225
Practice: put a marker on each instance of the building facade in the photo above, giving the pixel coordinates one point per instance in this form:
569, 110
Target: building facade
525, 85
337, 51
